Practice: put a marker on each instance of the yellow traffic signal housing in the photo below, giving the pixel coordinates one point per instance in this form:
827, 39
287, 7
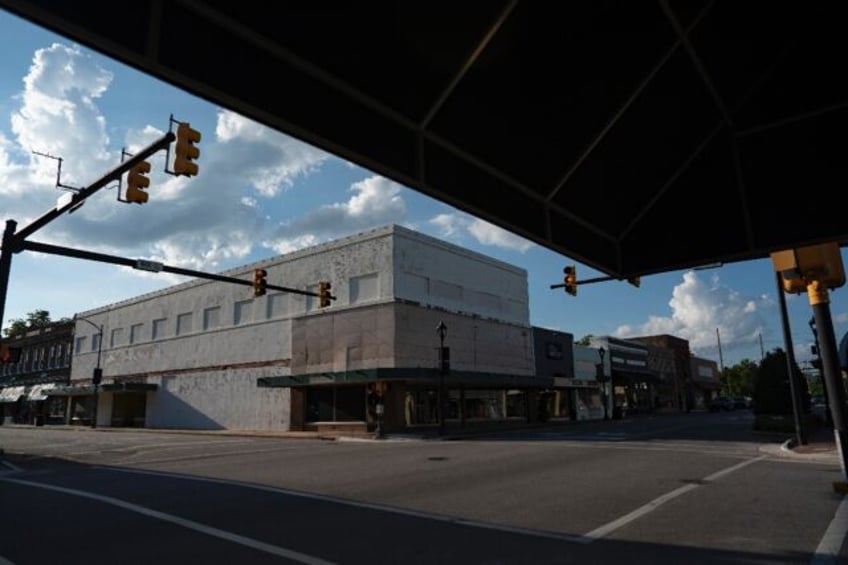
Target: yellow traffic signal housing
137, 182
259, 282
800, 266
570, 280
186, 152
324, 294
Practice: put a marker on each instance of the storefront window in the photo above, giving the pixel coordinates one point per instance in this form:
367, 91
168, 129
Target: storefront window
516, 404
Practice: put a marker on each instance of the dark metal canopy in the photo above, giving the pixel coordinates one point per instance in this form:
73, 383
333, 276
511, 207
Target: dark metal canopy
411, 375
633, 136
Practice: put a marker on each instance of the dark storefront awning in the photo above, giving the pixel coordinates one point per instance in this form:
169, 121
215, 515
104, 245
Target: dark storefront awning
71, 390
707, 385
81, 390
468, 379
632, 377
129, 387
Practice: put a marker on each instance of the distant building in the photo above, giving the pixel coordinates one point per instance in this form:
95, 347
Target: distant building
44, 364
631, 377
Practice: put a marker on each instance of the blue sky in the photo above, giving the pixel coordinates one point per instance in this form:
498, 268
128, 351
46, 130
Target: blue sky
261, 193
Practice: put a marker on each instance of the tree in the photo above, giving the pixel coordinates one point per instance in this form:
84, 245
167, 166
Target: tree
34, 320
738, 380
16, 328
584, 341
772, 392
38, 319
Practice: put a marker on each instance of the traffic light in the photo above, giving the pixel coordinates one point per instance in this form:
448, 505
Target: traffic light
186, 152
570, 279
259, 283
9, 354
137, 182
323, 294
635, 281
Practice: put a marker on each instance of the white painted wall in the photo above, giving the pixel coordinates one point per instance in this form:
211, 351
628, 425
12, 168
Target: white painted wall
441, 275
207, 375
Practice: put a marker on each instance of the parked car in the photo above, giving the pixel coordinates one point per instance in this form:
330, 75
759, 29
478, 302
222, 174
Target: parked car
741, 402
722, 403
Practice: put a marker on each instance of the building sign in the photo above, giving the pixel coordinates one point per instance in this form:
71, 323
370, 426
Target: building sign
553, 350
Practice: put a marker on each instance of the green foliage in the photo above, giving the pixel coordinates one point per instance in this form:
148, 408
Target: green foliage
34, 320
584, 341
738, 380
772, 392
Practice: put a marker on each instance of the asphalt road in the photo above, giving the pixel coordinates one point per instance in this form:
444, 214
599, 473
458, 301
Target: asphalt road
695, 488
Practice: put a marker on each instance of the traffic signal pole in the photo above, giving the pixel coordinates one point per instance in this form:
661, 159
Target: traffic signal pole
820, 303
14, 242
6, 263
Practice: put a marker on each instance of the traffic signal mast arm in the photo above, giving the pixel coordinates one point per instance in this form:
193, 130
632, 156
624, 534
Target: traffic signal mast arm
79, 197
632, 280
148, 266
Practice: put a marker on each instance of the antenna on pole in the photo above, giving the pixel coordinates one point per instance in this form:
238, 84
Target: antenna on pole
58, 171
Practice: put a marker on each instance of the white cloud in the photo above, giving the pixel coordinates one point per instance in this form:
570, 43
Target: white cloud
448, 225
489, 234
454, 225
704, 313
58, 114
376, 201
203, 222
271, 161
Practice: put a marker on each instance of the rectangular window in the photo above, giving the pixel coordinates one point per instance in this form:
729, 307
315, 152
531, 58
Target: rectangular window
158, 328
184, 323
117, 337
364, 288
312, 301
135, 332
95, 341
243, 312
211, 318
450, 291
278, 305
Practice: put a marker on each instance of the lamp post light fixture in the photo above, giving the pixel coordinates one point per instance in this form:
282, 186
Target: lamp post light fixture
97, 374
442, 330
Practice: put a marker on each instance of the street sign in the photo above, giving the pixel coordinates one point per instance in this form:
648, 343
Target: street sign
145, 265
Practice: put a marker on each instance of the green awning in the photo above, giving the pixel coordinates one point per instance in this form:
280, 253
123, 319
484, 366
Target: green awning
71, 390
412, 375
82, 390
129, 387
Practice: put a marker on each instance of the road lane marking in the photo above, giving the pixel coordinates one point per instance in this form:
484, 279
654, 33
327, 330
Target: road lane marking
831, 543
366, 505
202, 528
610, 527
12, 467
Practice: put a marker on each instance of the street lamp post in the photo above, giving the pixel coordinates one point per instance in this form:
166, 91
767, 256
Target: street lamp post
601, 375
97, 374
442, 330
